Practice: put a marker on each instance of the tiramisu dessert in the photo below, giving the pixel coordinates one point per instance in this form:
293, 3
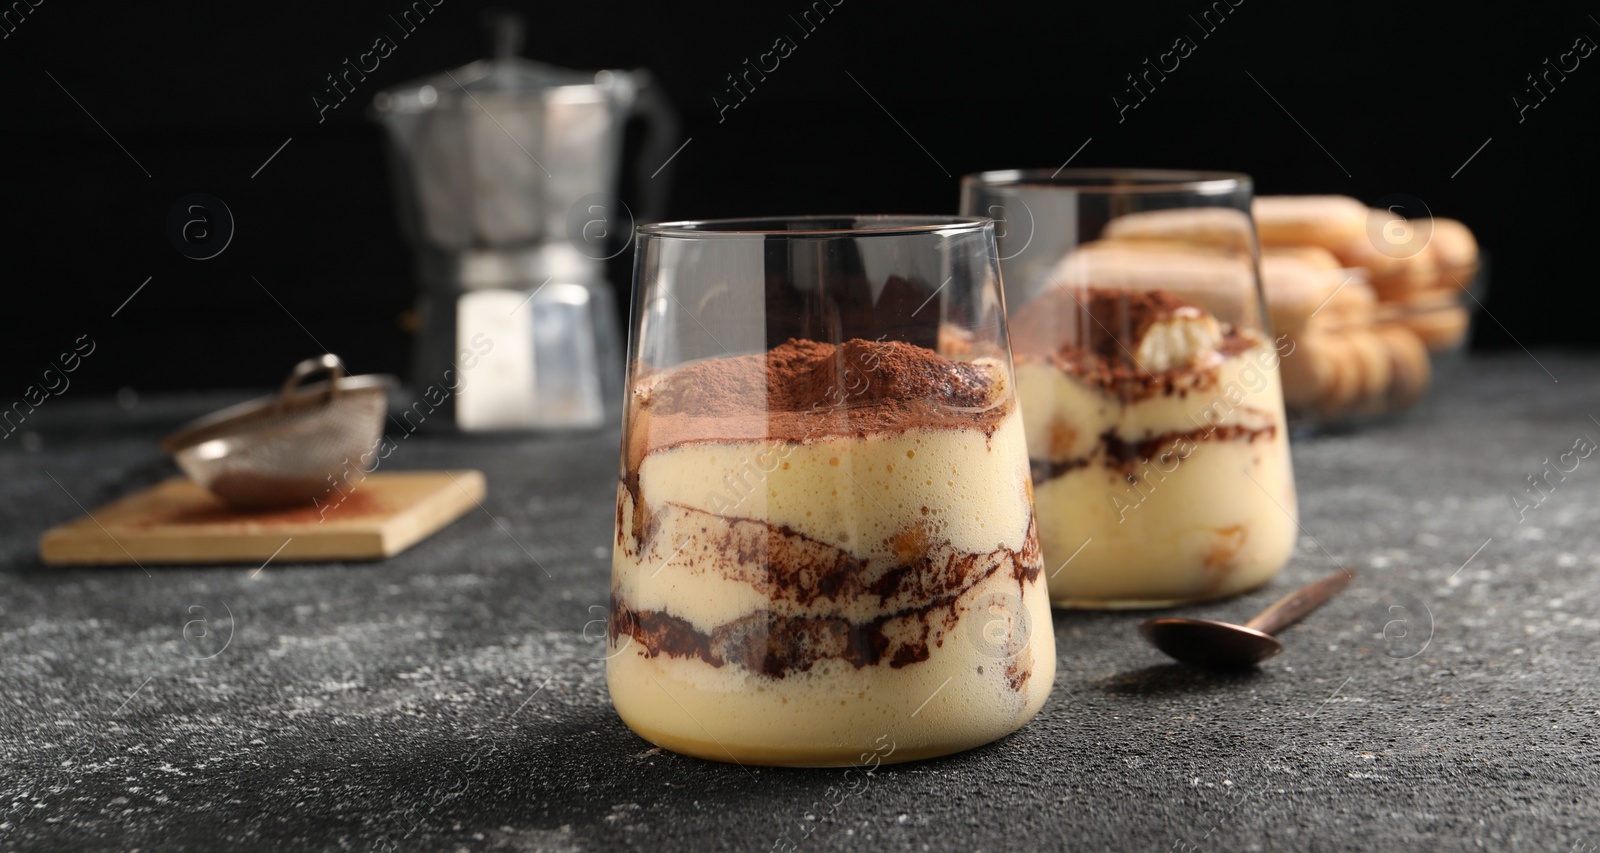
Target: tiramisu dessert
1158, 445
824, 549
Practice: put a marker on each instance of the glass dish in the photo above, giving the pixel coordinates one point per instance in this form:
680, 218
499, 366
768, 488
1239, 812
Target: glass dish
825, 548
1149, 382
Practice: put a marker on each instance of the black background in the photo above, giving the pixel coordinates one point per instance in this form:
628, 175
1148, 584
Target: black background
201, 94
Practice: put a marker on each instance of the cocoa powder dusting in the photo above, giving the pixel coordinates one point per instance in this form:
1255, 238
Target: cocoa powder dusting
803, 390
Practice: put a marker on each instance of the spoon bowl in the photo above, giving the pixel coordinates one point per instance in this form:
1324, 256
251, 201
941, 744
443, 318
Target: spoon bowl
1208, 644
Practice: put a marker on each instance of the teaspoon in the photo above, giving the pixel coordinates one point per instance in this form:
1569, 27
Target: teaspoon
1221, 645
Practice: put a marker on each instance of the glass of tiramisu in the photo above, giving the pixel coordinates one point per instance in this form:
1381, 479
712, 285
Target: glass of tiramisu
825, 547
1149, 382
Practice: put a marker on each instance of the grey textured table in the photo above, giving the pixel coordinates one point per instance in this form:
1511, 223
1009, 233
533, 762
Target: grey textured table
454, 698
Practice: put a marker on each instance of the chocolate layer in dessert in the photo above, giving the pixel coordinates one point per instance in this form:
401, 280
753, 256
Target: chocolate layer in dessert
807, 390
774, 643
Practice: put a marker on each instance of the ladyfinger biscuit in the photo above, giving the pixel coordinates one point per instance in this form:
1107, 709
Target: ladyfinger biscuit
1439, 328
1329, 221
1297, 289
1345, 384
1351, 303
1410, 367
1373, 369
1320, 374
1211, 226
1315, 257
1405, 276
1306, 371
1453, 244
1455, 253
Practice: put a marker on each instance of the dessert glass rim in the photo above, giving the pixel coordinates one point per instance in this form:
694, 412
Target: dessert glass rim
1116, 180
815, 225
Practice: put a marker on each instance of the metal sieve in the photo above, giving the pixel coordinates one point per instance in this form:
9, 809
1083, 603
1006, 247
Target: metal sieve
287, 448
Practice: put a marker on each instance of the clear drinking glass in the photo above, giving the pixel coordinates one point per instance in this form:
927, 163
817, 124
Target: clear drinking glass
1149, 382
825, 549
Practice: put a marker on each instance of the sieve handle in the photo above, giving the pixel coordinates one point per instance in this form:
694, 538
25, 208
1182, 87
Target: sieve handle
310, 367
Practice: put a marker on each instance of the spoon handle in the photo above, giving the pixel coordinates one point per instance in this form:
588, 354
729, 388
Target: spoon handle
1286, 610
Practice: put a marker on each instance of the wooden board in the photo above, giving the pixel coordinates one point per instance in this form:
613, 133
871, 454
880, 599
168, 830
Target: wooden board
178, 521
